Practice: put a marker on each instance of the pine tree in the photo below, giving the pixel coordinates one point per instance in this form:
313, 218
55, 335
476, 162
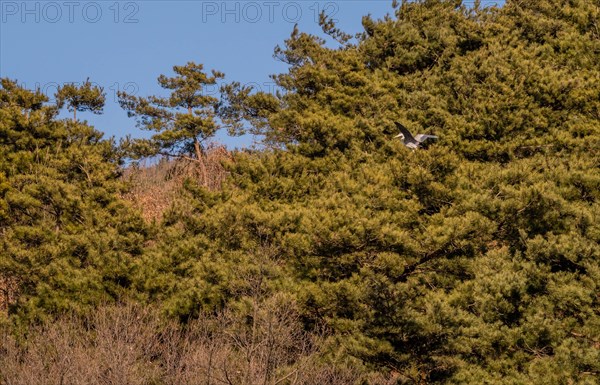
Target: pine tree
86, 97
472, 262
68, 241
184, 120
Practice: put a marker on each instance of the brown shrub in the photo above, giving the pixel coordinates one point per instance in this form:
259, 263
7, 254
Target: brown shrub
154, 187
8, 292
262, 343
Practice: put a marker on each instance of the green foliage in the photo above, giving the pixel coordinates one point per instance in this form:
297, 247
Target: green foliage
68, 241
475, 261
183, 120
86, 97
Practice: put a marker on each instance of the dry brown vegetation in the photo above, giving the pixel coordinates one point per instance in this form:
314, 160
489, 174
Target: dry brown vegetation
8, 292
155, 186
128, 344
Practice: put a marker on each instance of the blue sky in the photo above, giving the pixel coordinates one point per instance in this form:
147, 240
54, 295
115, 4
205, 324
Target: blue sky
125, 45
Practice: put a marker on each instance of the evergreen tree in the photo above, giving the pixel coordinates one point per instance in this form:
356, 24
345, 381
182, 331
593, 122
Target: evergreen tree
68, 240
183, 120
86, 97
475, 261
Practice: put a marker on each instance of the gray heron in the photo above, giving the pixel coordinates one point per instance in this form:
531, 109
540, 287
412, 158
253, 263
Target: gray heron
414, 142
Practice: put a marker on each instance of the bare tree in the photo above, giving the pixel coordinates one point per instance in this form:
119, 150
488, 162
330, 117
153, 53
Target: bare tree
260, 342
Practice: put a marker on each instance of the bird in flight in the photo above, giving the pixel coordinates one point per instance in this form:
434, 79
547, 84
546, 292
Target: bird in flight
414, 142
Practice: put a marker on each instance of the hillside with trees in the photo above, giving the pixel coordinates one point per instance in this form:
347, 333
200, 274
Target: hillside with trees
332, 254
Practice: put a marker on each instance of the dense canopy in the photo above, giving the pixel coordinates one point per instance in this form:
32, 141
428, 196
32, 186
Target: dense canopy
473, 261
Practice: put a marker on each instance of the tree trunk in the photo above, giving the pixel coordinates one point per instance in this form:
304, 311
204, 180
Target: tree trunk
197, 149
199, 156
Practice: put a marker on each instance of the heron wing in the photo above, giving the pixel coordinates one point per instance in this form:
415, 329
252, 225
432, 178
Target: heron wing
424, 138
407, 135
